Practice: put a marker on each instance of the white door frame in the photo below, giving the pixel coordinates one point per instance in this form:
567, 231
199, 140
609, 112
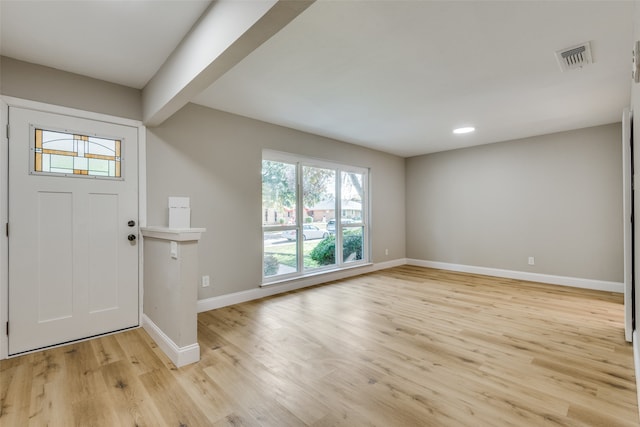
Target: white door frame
628, 212
5, 103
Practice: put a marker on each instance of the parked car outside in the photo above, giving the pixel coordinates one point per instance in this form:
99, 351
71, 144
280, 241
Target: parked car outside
309, 231
331, 224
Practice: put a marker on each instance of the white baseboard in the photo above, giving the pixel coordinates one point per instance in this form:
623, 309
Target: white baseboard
274, 289
180, 356
636, 360
279, 288
575, 282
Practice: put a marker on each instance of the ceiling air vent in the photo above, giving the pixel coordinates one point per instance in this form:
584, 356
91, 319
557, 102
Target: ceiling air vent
574, 57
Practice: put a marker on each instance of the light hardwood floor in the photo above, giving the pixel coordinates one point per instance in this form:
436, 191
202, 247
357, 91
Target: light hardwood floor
406, 346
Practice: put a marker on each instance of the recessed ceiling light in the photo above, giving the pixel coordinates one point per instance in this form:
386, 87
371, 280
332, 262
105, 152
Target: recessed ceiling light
467, 129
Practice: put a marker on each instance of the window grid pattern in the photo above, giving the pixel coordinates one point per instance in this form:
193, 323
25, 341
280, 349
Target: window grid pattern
314, 216
73, 154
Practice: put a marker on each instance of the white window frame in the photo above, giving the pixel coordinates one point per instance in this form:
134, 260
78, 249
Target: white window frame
300, 162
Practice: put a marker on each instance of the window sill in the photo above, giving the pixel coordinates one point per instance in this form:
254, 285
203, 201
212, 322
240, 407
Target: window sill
316, 274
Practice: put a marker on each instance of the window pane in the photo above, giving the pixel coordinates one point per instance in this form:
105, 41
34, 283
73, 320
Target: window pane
352, 191
280, 253
278, 193
352, 243
72, 154
318, 195
61, 164
319, 248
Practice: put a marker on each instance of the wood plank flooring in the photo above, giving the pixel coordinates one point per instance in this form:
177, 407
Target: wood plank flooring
406, 346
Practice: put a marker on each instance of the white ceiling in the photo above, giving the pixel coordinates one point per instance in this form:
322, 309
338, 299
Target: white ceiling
396, 76
123, 42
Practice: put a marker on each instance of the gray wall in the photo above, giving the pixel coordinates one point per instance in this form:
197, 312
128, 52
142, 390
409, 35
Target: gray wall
215, 158
43, 84
556, 197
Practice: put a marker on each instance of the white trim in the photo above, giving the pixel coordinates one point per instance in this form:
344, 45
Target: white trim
627, 212
301, 161
636, 361
292, 277
57, 109
274, 289
142, 212
142, 176
4, 247
9, 101
575, 282
176, 234
180, 356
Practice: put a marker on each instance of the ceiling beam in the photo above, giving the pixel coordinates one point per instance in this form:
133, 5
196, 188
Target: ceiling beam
224, 35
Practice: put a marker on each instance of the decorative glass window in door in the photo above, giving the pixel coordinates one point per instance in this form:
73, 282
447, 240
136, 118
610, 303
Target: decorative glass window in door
72, 154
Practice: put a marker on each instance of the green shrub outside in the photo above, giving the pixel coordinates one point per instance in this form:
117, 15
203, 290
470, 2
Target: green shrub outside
352, 244
325, 252
270, 265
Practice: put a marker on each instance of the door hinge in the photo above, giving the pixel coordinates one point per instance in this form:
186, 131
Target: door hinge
7, 229
7, 131
7, 328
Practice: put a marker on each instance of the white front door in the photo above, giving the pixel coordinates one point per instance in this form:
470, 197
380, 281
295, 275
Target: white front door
73, 208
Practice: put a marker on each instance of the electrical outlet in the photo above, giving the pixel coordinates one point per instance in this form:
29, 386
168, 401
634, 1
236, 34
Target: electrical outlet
386, 251
205, 281
532, 261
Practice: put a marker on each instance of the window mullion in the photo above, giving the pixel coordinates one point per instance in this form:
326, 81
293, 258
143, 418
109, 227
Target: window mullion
365, 217
338, 215
299, 213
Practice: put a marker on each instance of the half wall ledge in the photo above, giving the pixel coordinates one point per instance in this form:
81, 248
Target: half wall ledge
171, 291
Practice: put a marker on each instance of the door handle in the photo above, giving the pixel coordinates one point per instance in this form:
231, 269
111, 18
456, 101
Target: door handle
131, 237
